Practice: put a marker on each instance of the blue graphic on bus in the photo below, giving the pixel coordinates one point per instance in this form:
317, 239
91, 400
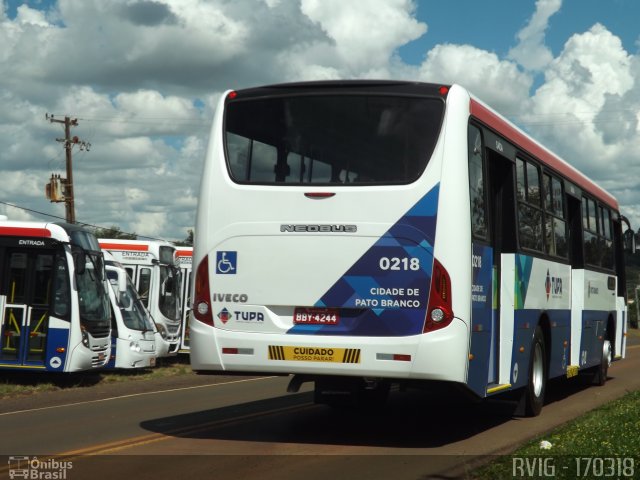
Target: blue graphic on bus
226, 263
385, 293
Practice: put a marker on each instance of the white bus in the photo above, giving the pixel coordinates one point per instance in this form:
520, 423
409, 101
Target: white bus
185, 258
133, 333
54, 300
153, 267
364, 233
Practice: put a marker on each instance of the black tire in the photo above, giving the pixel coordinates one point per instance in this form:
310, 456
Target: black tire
537, 379
601, 372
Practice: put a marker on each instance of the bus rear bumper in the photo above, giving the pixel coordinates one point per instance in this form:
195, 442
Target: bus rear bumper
438, 355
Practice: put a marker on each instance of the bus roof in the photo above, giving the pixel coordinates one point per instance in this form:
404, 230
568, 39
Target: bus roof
137, 245
54, 231
519, 138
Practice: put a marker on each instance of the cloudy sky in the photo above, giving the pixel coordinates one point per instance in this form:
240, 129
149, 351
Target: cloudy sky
143, 76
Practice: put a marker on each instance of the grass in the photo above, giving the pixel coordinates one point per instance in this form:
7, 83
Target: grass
15, 384
610, 433
172, 369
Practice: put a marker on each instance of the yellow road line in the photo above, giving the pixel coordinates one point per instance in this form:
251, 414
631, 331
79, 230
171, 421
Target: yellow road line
118, 445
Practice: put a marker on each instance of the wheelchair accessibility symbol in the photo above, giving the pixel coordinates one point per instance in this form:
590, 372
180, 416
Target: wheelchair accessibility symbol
226, 263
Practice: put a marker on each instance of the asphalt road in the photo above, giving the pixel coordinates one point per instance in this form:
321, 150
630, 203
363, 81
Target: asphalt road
246, 428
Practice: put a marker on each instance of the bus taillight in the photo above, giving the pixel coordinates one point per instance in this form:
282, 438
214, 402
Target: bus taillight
439, 312
202, 302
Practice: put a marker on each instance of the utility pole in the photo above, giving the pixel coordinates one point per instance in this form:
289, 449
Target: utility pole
67, 194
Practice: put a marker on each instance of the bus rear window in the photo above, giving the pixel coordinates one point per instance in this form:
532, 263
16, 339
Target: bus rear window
331, 139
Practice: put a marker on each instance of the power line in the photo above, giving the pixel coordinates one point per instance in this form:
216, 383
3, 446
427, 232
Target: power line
77, 223
31, 210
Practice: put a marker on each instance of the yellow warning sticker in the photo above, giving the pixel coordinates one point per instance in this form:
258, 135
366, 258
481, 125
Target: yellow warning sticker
572, 371
314, 354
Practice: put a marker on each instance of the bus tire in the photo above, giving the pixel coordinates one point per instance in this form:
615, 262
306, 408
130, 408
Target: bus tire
537, 379
601, 372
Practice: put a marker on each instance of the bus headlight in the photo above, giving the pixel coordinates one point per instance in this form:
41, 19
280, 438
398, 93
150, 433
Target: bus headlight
162, 330
85, 339
135, 347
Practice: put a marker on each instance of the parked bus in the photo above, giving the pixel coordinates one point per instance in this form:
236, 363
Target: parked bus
363, 233
185, 257
54, 298
153, 267
133, 333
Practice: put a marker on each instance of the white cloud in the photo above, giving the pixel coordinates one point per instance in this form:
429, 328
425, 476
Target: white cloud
586, 88
531, 51
30, 16
143, 78
588, 111
497, 82
365, 34
150, 224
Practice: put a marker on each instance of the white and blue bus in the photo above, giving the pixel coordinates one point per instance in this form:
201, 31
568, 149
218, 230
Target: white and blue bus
154, 269
54, 299
133, 333
363, 233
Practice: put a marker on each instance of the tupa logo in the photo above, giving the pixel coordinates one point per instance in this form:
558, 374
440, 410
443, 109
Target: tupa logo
224, 315
553, 286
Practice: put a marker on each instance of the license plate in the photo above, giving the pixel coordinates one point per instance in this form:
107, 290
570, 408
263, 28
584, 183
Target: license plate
101, 356
152, 362
316, 316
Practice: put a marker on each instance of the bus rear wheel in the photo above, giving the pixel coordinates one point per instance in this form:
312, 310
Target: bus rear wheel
533, 396
601, 371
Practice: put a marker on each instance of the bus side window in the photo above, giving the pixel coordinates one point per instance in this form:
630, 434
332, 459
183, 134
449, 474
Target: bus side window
608, 260
144, 282
529, 206
592, 247
556, 231
61, 297
477, 190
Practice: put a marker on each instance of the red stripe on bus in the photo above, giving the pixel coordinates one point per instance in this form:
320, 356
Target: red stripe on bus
530, 146
25, 232
184, 253
120, 246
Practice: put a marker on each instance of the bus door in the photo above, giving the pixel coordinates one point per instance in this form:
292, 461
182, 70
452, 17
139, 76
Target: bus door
502, 219
141, 278
27, 277
186, 306
492, 229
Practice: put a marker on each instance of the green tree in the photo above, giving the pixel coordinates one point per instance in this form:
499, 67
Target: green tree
187, 242
113, 232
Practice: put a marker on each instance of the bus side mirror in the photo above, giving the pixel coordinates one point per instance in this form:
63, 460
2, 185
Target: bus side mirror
167, 287
125, 301
628, 237
629, 241
122, 282
79, 261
